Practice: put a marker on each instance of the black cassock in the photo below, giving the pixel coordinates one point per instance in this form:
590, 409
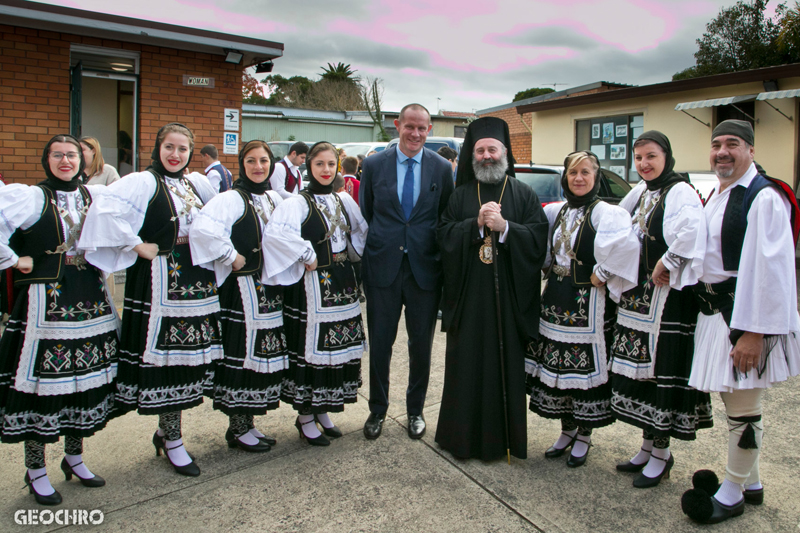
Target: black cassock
471, 419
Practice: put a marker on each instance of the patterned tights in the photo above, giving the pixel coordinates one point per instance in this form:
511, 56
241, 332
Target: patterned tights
34, 451
662, 443
170, 424
569, 424
241, 424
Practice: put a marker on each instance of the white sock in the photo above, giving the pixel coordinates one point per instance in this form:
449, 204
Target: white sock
644, 453
657, 463
755, 486
256, 433
160, 432
80, 470
42, 485
308, 426
729, 493
565, 438
249, 439
325, 420
581, 447
178, 454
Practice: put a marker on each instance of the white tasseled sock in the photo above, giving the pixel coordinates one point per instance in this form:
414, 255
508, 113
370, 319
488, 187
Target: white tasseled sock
729, 493
657, 463
565, 438
644, 453
80, 470
177, 452
308, 426
42, 485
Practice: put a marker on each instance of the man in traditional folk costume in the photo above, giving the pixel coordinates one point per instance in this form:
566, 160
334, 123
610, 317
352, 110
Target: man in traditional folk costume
747, 332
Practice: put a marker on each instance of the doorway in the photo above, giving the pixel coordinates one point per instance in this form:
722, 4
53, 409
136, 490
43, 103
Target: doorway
104, 102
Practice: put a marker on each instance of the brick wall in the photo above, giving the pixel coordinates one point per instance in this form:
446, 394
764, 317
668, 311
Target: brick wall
520, 136
34, 97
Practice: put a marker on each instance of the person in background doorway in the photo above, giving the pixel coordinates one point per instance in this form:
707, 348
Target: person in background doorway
218, 176
286, 179
97, 172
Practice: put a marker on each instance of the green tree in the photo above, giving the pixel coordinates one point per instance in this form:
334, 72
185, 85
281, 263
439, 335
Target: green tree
530, 93
287, 92
252, 91
741, 37
789, 36
340, 72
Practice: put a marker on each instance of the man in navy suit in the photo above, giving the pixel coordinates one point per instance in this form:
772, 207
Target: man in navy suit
404, 191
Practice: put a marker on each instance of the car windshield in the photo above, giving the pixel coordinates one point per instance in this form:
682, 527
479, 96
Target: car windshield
354, 149
279, 150
544, 183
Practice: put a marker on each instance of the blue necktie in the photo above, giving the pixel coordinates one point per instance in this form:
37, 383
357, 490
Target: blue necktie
408, 189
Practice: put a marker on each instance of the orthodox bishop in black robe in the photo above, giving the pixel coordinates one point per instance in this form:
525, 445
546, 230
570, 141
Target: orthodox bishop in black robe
472, 419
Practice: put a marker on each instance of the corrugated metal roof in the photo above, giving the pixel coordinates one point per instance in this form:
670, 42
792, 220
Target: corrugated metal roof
716, 102
776, 95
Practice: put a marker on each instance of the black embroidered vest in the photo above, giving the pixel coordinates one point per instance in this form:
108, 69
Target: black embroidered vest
314, 229
161, 222
654, 246
582, 267
246, 236
41, 240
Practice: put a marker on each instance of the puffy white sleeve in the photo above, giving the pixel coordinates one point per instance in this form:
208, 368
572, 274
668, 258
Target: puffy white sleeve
20, 207
358, 226
285, 251
616, 249
766, 290
203, 186
632, 198
551, 212
685, 232
210, 234
112, 225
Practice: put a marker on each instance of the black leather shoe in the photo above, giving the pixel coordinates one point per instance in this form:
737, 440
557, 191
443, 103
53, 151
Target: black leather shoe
374, 425
574, 462
233, 442
632, 467
333, 432
269, 440
416, 426
160, 444
95, 481
754, 497
705, 509
319, 440
51, 499
723, 512
553, 452
644, 482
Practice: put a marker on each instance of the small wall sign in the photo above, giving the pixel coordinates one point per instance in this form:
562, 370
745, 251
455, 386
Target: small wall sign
197, 81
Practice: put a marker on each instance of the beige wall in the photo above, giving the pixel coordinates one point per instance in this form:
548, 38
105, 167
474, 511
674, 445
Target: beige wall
776, 137
444, 127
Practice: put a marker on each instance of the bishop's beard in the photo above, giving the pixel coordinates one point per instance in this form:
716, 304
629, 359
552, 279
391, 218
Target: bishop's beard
490, 172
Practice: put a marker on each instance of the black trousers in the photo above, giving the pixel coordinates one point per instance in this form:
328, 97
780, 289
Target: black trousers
384, 305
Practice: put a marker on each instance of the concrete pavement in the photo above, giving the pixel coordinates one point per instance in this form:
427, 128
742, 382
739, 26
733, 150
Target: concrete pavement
396, 484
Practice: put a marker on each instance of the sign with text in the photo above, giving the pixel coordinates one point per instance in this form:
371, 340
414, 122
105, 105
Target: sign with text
198, 81
231, 143
231, 119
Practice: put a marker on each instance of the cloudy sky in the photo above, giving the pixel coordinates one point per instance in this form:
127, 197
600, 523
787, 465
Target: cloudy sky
467, 54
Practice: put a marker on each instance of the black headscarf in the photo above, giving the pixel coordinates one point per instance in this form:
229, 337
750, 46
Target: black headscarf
589, 197
53, 181
246, 184
315, 187
483, 128
668, 175
156, 163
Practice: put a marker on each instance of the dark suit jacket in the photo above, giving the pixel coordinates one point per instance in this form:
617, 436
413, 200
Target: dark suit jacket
388, 230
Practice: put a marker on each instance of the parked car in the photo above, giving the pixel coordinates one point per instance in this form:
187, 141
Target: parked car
434, 143
546, 181
356, 149
280, 149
